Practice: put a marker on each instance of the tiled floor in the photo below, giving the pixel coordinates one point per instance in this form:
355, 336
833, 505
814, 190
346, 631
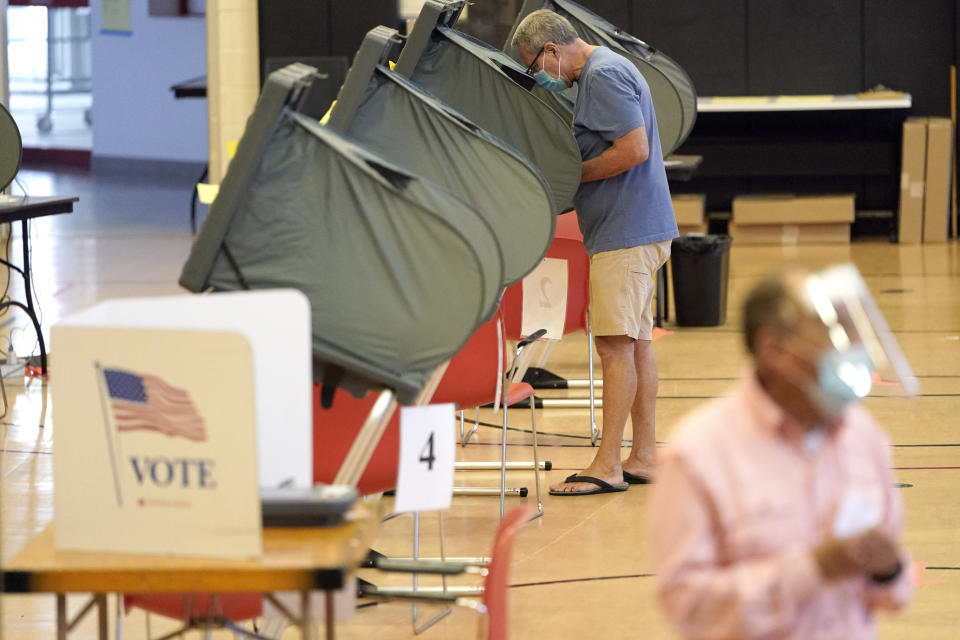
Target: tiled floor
583, 570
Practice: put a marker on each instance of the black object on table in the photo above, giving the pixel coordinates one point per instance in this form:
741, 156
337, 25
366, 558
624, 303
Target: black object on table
192, 88
22, 209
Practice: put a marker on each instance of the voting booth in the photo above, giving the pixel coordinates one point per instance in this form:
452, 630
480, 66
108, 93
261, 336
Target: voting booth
672, 90
397, 270
389, 115
172, 413
494, 92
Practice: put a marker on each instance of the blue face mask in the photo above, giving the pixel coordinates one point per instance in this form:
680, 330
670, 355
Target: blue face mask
842, 378
548, 82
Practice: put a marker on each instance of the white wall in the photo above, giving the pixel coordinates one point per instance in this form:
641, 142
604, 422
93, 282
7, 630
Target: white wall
134, 112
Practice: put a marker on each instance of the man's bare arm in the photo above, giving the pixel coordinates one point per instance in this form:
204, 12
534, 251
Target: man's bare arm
627, 152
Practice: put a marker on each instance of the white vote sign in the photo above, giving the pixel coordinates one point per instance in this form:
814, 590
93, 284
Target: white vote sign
545, 299
425, 477
155, 445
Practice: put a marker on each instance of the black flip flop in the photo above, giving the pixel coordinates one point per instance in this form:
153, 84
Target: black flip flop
602, 486
632, 478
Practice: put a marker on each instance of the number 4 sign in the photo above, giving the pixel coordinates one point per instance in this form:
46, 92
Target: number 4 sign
425, 477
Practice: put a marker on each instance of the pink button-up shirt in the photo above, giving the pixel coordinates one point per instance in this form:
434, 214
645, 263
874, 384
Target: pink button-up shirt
739, 503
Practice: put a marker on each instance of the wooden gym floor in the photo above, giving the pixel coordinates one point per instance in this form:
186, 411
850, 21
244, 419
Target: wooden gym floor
583, 570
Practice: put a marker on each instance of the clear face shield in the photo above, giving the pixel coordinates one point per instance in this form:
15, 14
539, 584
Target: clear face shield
864, 349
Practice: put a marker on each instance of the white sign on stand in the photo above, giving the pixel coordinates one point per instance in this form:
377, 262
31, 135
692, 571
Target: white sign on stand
151, 454
545, 299
277, 325
161, 404
427, 452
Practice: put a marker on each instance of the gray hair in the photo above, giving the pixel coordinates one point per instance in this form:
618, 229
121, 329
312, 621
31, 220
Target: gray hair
540, 27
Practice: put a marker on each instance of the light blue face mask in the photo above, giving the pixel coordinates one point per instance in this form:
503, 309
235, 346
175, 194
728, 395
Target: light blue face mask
548, 82
843, 377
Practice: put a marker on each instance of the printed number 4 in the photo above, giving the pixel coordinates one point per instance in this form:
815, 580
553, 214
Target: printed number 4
426, 454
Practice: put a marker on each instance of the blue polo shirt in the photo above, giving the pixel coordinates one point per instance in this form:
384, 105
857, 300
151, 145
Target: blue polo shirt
634, 207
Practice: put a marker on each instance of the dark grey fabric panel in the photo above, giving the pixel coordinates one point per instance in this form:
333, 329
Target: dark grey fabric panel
398, 271
277, 91
707, 39
909, 46
809, 47
462, 73
399, 122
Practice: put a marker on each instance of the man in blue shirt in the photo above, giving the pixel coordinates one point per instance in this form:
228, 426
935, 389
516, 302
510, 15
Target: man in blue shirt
626, 216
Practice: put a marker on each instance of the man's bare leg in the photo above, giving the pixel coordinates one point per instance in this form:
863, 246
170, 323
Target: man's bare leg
618, 357
643, 412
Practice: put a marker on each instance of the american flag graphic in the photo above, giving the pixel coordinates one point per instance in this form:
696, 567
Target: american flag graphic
147, 402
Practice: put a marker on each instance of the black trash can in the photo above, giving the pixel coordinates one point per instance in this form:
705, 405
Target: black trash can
700, 266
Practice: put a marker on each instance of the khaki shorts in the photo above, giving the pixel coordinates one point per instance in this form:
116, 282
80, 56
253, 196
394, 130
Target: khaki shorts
621, 289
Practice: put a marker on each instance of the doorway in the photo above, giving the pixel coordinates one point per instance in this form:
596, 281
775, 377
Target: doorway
50, 78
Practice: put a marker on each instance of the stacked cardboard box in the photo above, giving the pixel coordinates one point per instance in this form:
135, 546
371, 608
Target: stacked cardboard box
690, 210
925, 180
789, 219
936, 200
913, 163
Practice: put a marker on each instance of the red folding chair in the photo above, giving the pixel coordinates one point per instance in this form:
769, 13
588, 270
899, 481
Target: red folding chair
471, 380
567, 245
475, 377
199, 611
494, 606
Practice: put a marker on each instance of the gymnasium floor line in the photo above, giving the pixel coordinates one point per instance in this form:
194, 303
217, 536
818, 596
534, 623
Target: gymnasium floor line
893, 468
632, 576
734, 378
708, 331
544, 583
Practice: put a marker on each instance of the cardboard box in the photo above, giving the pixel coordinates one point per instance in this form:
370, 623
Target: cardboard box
791, 209
826, 233
689, 209
912, 175
936, 202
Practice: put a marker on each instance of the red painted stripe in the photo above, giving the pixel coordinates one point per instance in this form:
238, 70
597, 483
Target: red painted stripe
49, 3
69, 157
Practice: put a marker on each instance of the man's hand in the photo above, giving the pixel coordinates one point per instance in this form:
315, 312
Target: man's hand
871, 553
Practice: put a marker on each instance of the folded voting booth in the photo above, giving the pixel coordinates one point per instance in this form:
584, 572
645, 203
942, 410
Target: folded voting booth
494, 92
674, 97
388, 115
398, 271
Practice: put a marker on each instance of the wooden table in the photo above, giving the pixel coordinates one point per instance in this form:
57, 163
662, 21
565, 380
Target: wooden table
300, 559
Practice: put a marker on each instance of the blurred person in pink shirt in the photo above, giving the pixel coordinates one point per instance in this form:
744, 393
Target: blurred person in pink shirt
775, 514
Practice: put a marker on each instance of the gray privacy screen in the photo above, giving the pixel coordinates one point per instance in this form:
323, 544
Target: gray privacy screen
401, 123
398, 271
492, 91
674, 97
